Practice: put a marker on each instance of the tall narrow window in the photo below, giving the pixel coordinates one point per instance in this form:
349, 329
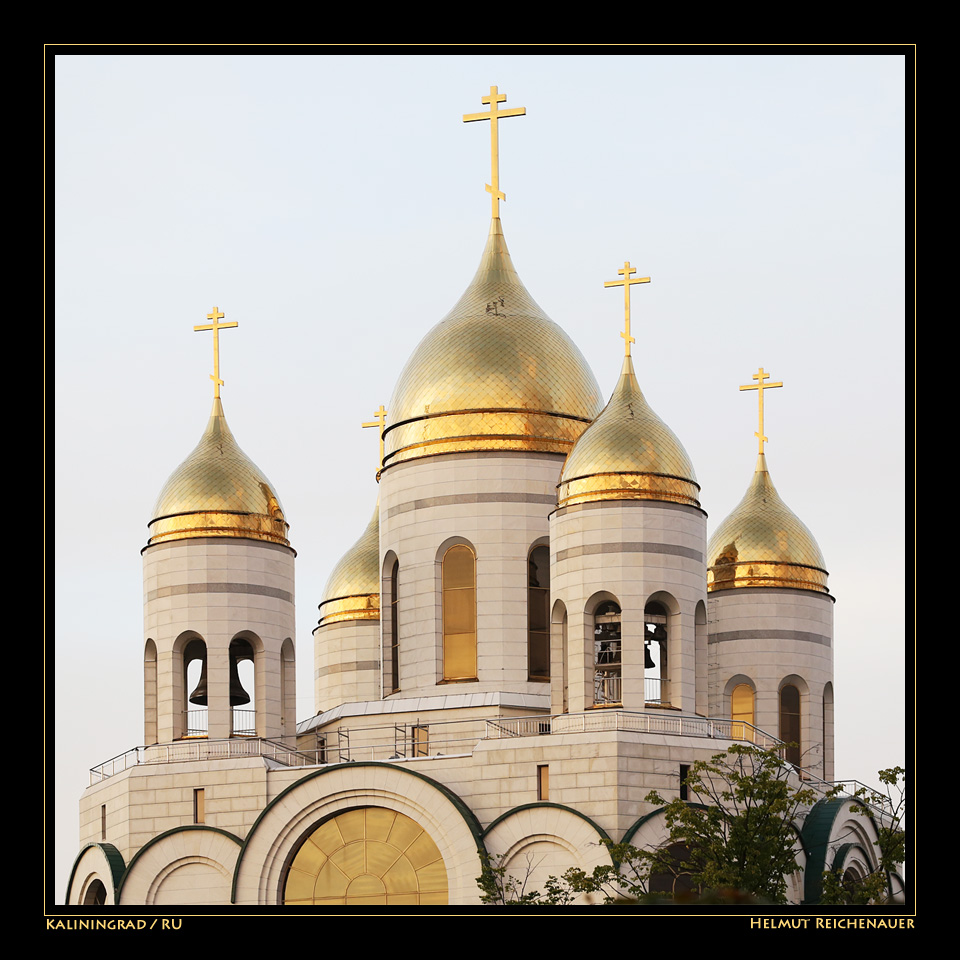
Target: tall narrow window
790, 722
459, 575
538, 614
543, 782
741, 712
395, 627
103, 821
198, 805
607, 661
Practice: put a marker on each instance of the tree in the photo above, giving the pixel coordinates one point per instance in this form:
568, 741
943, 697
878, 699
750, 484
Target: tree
740, 834
886, 808
733, 841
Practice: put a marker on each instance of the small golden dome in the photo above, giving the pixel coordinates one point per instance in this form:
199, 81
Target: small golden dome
628, 453
218, 491
763, 544
353, 590
495, 374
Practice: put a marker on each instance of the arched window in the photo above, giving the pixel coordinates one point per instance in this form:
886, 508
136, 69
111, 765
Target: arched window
607, 654
655, 652
459, 574
395, 627
742, 711
538, 614
790, 722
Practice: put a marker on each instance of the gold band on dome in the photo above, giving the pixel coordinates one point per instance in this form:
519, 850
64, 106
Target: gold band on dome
482, 430
247, 526
730, 576
350, 608
627, 486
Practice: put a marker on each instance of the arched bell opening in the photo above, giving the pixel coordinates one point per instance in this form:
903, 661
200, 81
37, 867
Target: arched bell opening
195, 714
655, 658
243, 704
607, 655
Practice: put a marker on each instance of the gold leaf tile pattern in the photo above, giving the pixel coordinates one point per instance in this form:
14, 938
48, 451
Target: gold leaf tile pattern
353, 588
764, 544
218, 491
628, 453
495, 374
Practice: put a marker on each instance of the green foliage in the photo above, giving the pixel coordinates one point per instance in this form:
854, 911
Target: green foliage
498, 886
734, 843
887, 808
740, 834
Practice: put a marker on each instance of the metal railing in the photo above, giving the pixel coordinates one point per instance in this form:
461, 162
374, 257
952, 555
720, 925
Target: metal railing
181, 751
196, 722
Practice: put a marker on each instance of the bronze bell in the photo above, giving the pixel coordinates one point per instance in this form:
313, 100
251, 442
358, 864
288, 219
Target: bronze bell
199, 695
238, 696
647, 656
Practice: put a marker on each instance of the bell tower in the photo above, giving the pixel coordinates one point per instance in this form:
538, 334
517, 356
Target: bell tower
218, 584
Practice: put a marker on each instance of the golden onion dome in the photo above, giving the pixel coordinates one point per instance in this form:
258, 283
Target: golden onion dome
218, 491
495, 374
353, 590
628, 453
763, 544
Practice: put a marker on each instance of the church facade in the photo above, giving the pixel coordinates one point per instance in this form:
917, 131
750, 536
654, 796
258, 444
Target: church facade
531, 634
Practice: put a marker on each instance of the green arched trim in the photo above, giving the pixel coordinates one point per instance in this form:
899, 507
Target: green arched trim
637, 824
815, 838
552, 806
186, 828
469, 817
114, 862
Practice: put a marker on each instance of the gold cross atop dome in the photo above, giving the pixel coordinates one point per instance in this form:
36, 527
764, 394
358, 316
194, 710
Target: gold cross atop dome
216, 327
493, 115
381, 416
626, 283
760, 386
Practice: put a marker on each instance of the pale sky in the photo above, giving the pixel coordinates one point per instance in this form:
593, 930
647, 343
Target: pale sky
334, 206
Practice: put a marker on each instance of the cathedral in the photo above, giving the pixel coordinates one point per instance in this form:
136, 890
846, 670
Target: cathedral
531, 634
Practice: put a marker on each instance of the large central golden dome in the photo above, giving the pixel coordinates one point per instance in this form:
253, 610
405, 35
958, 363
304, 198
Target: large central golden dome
495, 374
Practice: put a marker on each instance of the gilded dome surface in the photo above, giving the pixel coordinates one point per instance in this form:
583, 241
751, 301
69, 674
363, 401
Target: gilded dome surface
628, 453
353, 589
495, 374
763, 544
218, 491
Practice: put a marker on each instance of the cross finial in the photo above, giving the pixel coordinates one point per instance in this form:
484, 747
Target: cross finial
381, 416
216, 327
626, 283
493, 115
760, 386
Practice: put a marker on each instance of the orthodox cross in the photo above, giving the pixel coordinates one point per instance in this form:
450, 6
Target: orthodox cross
760, 386
493, 115
625, 283
381, 416
216, 327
